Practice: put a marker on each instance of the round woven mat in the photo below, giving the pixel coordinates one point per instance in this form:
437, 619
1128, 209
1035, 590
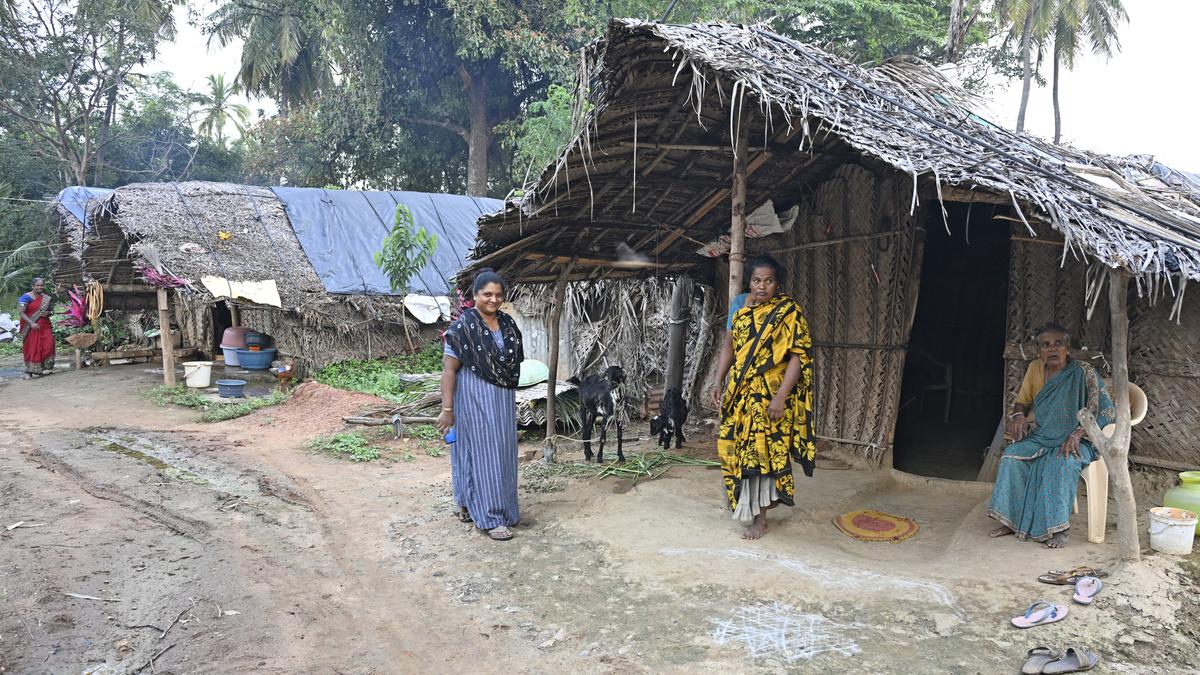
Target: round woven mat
871, 525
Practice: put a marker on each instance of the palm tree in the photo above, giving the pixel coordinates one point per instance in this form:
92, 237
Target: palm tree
1033, 19
284, 53
1075, 20
219, 110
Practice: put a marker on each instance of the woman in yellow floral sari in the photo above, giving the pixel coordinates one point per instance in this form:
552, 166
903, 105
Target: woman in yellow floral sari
766, 405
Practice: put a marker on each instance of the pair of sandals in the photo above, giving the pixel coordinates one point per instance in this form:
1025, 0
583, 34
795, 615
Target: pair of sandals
1071, 576
501, 533
1051, 660
1041, 612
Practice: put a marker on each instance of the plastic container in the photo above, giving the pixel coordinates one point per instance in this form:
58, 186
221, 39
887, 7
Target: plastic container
256, 339
197, 374
260, 360
451, 436
231, 388
1172, 531
234, 338
1186, 495
231, 356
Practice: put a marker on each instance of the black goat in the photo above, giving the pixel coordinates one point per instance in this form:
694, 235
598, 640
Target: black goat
670, 419
600, 400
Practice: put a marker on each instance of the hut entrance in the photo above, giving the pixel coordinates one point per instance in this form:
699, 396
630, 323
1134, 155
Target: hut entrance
953, 387
222, 318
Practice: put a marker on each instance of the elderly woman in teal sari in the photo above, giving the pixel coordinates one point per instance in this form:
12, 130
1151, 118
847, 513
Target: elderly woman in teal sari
1039, 472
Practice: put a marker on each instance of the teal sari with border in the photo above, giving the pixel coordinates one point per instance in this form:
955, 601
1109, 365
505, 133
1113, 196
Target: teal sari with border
1035, 486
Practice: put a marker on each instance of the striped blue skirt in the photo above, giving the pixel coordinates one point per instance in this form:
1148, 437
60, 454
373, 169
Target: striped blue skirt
483, 461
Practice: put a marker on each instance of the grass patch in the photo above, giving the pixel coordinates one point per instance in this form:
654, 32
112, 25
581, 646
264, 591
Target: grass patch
426, 432
184, 397
228, 411
347, 445
179, 395
9, 349
381, 377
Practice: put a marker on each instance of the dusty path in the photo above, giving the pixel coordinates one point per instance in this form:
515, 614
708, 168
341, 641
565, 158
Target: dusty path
230, 548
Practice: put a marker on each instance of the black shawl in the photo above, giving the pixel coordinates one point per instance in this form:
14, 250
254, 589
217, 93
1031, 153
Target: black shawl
472, 341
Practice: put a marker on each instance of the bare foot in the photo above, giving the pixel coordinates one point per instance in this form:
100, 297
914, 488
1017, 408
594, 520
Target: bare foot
1001, 531
1059, 540
758, 528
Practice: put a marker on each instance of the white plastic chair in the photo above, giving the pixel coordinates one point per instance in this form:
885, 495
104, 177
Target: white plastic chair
1095, 475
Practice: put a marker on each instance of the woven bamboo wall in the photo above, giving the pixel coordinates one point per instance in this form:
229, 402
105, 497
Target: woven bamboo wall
858, 296
1164, 358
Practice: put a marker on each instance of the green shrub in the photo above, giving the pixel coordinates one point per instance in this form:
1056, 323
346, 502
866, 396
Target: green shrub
381, 377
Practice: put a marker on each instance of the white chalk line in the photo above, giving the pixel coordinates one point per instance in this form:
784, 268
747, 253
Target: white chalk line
778, 629
841, 577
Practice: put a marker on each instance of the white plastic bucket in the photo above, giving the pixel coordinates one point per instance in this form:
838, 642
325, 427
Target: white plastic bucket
231, 357
1172, 530
198, 374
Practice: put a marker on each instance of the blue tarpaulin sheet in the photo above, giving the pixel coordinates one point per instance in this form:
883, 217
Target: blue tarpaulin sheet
75, 200
341, 230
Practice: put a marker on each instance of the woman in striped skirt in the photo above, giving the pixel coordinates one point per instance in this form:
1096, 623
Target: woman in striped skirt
480, 370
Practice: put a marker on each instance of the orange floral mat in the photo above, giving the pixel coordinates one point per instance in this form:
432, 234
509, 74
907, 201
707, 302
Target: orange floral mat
871, 525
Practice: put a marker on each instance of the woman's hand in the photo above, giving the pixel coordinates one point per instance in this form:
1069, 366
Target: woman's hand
718, 393
776, 408
445, 421
1017, 427
1070, 447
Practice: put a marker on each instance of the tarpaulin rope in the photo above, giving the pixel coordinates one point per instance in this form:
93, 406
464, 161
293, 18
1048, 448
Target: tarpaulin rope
388, 230
267, 233
200, 235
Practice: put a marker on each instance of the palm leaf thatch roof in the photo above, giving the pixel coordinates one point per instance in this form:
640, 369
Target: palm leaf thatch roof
650, 164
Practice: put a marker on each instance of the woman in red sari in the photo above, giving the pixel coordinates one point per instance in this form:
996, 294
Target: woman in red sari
36, 331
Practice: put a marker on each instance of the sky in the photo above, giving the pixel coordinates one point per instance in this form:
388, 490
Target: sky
1139, 102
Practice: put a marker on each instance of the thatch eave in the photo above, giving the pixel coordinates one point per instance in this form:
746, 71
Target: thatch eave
902, 115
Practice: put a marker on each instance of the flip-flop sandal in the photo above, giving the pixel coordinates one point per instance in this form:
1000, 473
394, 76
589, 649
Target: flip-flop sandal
1038, 657
463, 515
1040, 612
1069, 577
501, 533
1076, 660
1086, 589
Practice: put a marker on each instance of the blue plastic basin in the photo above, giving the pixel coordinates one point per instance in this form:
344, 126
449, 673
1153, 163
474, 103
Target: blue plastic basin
230, 388
260, 360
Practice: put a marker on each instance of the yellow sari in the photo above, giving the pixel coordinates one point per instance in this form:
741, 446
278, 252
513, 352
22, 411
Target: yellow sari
749, 442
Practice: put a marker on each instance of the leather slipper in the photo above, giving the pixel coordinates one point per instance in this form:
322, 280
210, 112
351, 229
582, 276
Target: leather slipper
1069, 577
1038, 657
1073, 661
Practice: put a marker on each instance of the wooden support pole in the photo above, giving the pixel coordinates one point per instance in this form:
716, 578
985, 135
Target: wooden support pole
1115, 448
164, 335
235, 313
555, 330
681, 297
737, 228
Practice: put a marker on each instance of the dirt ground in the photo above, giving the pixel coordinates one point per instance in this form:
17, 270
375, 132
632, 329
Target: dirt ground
231, 548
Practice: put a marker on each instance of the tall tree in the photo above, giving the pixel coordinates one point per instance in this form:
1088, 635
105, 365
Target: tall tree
139, 22
285, 47
219, 110
61, 63
1076, 21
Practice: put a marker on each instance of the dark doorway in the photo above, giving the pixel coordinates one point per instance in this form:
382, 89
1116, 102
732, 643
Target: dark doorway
222, 318
953, 387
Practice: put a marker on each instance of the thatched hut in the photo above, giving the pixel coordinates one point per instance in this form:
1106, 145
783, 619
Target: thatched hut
925, 243
198, 232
